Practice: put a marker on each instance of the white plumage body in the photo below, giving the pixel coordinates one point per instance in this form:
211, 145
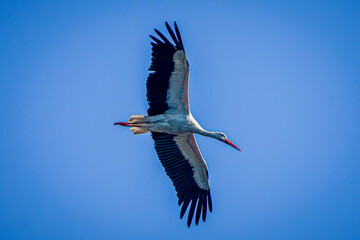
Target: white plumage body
176, 124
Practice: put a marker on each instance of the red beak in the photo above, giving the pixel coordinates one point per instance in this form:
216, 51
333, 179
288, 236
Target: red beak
232, 144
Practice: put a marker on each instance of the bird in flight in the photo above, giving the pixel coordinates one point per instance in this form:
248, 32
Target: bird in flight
172, 125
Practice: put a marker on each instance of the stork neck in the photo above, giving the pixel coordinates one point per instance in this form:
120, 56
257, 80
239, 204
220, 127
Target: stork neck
207, 133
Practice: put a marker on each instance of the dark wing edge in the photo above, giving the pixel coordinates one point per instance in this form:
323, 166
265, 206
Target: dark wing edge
162, 65
180, 172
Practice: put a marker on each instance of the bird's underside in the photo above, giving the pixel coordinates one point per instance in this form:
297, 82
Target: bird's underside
169, 123
172, 126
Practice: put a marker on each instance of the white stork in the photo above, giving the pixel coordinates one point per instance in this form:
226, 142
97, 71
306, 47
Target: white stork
172, 126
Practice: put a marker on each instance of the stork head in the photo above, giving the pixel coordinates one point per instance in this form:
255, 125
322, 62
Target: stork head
222, 137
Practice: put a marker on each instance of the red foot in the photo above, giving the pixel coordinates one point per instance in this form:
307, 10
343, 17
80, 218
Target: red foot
125, 124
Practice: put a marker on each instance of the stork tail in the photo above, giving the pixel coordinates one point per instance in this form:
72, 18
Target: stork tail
137, 124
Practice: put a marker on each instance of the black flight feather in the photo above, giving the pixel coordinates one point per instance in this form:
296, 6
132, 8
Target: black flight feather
191, 212
198, 209
179, 36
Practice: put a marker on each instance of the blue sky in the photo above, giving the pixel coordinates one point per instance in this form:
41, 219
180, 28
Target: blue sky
280, 78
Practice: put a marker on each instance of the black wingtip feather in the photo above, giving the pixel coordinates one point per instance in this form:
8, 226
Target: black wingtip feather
163, 37
191, 212
204, 208
172, 35
198, 209
209, 200
184, 207
156, 40
179, 36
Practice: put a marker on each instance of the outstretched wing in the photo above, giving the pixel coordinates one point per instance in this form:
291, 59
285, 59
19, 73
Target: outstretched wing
183, 163
167, 84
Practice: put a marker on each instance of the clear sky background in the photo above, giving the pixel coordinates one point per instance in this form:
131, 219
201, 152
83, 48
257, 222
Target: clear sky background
280, 78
